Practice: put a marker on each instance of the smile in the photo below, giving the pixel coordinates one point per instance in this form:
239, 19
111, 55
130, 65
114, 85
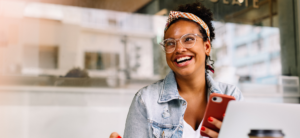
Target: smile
183, 61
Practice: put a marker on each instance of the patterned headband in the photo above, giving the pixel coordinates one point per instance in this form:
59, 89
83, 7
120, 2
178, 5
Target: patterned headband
176, 14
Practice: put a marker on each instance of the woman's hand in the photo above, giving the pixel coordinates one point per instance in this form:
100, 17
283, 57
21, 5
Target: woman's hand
210, 132
114, 135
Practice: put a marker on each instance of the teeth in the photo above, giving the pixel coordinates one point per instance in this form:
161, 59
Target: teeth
183, 58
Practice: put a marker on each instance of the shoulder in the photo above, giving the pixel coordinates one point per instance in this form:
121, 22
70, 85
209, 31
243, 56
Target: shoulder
226, 88
150, 92
232, 90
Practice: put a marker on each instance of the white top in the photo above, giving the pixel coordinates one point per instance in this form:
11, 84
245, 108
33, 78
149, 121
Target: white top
189, 132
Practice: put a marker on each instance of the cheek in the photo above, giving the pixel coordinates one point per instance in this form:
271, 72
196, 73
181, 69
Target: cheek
200, 55
168, 58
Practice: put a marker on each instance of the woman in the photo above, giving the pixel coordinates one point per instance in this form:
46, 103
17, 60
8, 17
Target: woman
174, 107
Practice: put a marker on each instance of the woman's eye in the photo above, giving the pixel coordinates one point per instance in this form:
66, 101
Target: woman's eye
170, 43
189, 39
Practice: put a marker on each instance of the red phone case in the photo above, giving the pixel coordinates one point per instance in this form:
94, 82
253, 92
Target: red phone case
216, 110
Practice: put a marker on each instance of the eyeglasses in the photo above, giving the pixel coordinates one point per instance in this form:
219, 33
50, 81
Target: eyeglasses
187, 40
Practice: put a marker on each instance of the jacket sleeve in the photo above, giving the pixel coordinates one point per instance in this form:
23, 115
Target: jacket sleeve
136, 122
237, 94
231, 90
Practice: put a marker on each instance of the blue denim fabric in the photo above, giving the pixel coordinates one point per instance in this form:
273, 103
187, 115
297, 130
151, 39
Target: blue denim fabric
157, 110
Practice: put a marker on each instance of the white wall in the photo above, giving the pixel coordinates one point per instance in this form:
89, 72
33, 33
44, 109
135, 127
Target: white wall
49, 112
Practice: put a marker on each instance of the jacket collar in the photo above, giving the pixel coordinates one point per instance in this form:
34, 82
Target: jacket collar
169, 89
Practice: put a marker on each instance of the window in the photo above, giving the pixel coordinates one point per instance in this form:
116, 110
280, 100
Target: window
257, 46
100, 61
259, 69
48, 57
40, 57
242, 51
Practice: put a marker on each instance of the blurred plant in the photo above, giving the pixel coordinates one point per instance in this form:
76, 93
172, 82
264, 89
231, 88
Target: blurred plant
77, 73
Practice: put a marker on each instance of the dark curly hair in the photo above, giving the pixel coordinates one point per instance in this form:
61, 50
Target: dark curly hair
206, 15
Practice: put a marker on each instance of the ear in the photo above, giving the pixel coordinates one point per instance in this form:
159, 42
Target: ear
207, 47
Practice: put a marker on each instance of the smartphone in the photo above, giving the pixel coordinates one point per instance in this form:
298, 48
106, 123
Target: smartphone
216, 108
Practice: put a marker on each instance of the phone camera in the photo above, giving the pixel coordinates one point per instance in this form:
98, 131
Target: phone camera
214, 98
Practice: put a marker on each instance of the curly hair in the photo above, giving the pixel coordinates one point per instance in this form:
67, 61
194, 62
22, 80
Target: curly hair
206, 15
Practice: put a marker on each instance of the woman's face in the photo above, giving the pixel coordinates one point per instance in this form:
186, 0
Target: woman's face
194, 57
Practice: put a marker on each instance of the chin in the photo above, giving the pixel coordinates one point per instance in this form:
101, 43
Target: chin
184, 72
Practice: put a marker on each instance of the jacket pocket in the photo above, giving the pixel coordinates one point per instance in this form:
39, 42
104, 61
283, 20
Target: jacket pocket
161, 132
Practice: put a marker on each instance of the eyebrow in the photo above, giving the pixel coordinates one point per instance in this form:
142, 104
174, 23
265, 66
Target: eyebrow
168, 38
175, 38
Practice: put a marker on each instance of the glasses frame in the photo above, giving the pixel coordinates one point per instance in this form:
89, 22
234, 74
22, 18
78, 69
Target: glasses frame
163, 47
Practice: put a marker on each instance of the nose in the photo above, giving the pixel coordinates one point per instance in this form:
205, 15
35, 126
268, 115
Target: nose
180, 48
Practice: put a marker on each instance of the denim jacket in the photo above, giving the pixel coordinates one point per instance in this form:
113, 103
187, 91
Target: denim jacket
157, 110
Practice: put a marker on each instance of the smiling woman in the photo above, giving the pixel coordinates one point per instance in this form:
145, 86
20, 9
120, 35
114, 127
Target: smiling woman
174, 107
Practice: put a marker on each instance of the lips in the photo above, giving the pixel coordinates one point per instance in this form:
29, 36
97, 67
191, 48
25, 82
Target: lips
182, 61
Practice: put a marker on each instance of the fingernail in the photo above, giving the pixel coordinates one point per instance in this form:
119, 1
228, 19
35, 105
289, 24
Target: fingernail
202, 128
210, 119
119, 137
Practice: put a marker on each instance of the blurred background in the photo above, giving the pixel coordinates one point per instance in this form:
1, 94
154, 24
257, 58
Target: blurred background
70, 68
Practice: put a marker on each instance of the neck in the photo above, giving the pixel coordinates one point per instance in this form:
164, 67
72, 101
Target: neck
194, 84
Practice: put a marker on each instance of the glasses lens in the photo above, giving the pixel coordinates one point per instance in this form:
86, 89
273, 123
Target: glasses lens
169, 45
188, 40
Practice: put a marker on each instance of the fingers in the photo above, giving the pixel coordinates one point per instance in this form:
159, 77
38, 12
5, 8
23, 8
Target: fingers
209, 132
114, 135
215, 122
